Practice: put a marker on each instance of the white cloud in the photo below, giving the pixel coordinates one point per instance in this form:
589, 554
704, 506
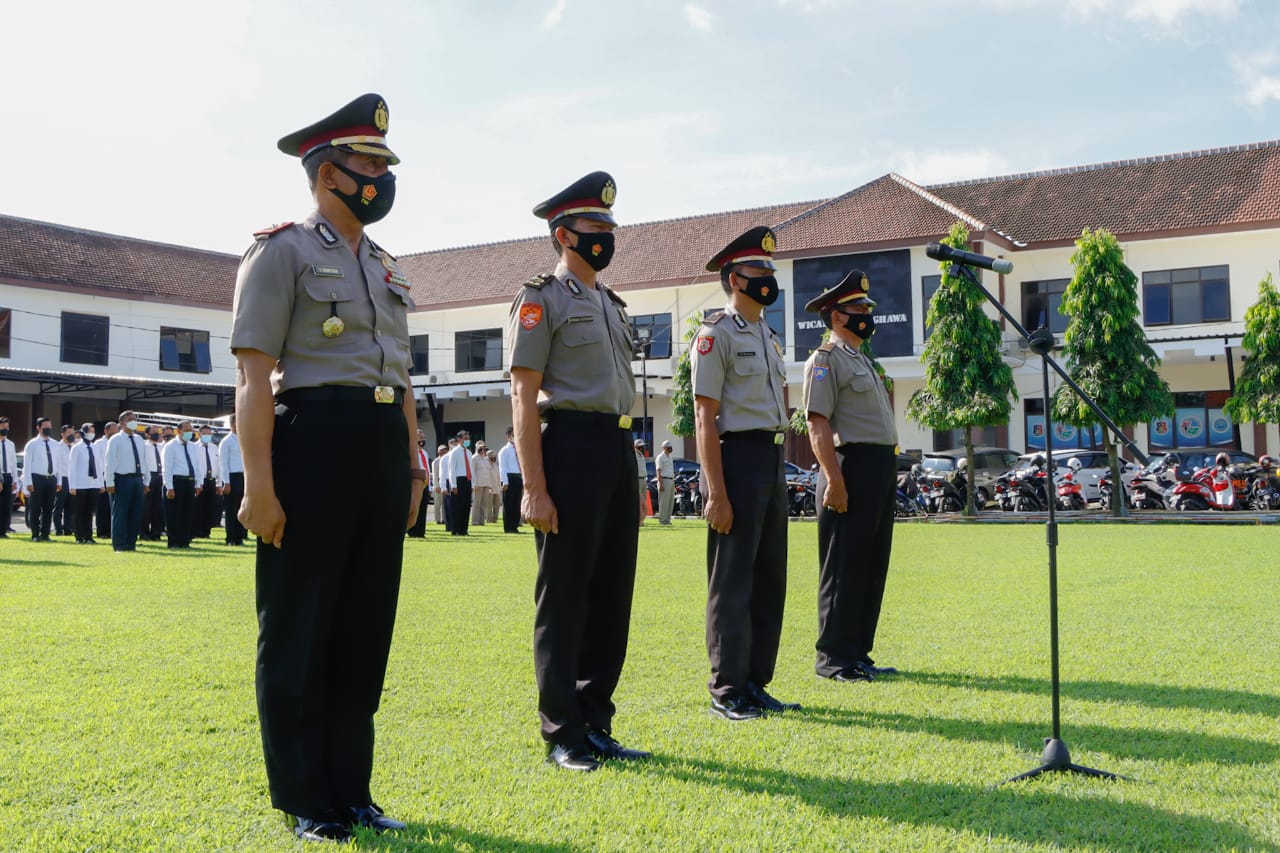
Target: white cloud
698, 17
1165, 14
555, 14
1257, 84
935, 167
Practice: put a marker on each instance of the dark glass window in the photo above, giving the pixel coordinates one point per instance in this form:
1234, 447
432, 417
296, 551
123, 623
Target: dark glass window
185, 350
653, 330
420, 350
480, 349
84, 338
1188, 295
929, 285
1042, 305
775, 317
6, 329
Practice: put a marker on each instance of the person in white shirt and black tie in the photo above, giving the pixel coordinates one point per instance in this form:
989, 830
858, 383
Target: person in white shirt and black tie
84, 479
231, 484
43, 476
63, 506
153, 505
206, 514
457, 480
419, 528
103, 510
437, 485
8, 476
184, 474
126, 474
512, 484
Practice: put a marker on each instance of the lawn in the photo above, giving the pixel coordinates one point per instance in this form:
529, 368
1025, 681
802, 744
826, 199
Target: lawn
127, 718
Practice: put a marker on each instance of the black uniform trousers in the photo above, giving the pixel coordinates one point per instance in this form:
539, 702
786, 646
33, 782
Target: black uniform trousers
586, 574
234, 529
853, 555
747, 568
511, 503
103, 516
85, 500
6, 505
206, 506
153, 509
327, 605
178, 511
64, 521
460, 507
40, 505
126, 511
448, 510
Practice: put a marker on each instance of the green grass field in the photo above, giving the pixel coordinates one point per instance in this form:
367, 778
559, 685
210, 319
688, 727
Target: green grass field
127, 718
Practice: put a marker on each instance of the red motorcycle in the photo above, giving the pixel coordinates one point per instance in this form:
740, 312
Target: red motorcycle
1208, 488
1070, 493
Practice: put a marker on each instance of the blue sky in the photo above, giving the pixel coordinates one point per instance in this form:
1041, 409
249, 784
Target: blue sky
159, 120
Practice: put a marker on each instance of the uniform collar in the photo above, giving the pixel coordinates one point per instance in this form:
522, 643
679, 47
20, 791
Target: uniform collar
570, 281
323, 232
737, 318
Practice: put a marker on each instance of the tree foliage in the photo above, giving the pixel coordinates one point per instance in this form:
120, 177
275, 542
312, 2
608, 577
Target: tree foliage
1257, 393
682, 393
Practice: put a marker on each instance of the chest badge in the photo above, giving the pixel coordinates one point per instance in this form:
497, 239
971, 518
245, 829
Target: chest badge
333, 327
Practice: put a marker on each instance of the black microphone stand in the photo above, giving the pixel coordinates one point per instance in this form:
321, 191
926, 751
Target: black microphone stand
1055, 756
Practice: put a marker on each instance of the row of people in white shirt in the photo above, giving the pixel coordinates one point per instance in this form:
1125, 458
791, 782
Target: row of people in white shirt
482, 467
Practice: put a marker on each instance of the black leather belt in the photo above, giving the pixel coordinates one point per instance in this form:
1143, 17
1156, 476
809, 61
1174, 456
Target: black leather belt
605, 420
44, 477
184, 477
118, 476
765, 436
342, 394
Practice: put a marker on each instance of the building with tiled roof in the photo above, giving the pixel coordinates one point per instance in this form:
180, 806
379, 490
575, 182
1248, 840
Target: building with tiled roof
89, 321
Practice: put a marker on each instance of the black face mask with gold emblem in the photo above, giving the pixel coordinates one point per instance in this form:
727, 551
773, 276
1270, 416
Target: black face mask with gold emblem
595, 247
373, 197
763, 289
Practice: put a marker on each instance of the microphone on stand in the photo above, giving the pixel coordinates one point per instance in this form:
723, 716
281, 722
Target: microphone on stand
939, 252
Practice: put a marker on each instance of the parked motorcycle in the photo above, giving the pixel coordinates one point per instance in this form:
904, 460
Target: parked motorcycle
910, 500
801, 499
1070, 494
1151, 488
1208, 488
1264, 492
1030, 494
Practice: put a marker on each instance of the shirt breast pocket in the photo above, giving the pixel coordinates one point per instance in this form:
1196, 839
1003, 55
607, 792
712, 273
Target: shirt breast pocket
581, 334
326, 298
861, 382
744, 366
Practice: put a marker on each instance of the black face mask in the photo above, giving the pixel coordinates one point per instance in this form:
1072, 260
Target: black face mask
763, 289
862, 325
373, 197
595, 247
47, 432
422, 444
4, 432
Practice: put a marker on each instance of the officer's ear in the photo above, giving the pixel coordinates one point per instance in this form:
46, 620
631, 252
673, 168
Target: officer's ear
564, 237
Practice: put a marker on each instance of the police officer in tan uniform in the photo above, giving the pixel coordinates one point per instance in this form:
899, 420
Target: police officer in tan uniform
852, 431
319, 330
740, 422
570, 342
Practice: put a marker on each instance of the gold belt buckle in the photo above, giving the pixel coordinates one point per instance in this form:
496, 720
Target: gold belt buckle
779, 438
624, 421
384, 394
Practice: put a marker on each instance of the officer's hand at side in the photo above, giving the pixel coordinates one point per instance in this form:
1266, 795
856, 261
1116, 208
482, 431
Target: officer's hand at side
719, 515
111, 490
836, 496
198, 490
73, 493
169, 494
539, 510
263, 516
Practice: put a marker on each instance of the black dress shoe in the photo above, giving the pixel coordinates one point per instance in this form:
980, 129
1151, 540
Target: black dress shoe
328, 828
869, 664
604, 747
572, 758
371, 816
852, 674
764, 700
737, 708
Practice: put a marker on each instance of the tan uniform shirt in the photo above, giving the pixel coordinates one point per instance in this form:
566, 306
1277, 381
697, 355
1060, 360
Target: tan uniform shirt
740, 364
293, 280
579, 339
842, 385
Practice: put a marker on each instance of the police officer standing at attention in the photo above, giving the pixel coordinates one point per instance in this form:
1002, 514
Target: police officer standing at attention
183, 481
570, 341
320, 332
231, 483
740, 421
126, 475
852, 432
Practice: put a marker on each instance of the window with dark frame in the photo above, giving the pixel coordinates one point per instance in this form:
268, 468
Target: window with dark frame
1187, 295
1042, 305
656, 329
929, 285
420, 350
479, 349
184, 350
6, 328
85, 338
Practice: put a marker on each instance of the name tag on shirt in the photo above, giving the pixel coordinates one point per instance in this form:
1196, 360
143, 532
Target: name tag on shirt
582, 319
746, 355
329, 272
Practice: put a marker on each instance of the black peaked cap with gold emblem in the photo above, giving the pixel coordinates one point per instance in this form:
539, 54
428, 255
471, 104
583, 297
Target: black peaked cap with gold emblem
590, 197
853, 289
755, 248
360, 127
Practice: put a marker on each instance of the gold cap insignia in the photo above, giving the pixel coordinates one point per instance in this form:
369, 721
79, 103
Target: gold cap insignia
608, 193
768, 243
865, 285
380, 117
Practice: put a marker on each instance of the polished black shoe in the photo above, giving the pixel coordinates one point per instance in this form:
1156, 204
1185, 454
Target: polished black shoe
328, 828
737, 708
869, 666
853, 673
769, 703
572, 758
372, 817
605, 748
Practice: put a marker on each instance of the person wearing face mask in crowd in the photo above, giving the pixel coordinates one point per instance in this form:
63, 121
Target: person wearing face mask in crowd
208, 511
571, 348
740, 417
320, 334
153, 505
63, 505
8, 477
438, 491
42, 474
102, 512
495, 487
126, 474
480, 485
183, 478
231, 484
458, 479
853, 435
85, 482
419, 528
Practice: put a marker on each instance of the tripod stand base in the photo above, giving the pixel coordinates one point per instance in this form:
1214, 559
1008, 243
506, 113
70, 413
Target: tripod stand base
1056, 758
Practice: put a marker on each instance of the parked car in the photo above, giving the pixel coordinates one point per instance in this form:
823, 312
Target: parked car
988, 463
1192, 459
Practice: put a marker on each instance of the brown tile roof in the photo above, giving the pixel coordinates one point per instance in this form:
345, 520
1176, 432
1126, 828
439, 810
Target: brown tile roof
1221, 187
113, 265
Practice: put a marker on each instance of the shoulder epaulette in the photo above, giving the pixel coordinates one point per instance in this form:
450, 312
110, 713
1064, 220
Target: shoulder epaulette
271, 229
714, 318
827, 347
382, 251
539, 281
615, 297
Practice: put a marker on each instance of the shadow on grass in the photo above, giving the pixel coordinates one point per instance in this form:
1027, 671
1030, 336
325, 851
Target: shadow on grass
1134, 743
21, 562
442, 836
1027, 814
1155, 695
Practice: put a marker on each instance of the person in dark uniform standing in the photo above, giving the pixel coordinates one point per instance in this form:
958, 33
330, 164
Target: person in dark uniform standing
570, 341
853, 434
740, 421
320, 333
